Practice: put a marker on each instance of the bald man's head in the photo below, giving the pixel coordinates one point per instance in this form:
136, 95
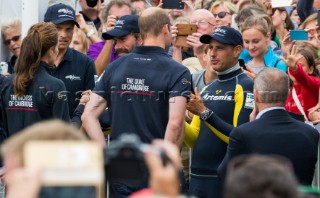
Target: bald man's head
202, 12
203, 15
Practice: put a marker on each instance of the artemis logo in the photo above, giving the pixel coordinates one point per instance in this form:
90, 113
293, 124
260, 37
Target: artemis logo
212, 97
73, 77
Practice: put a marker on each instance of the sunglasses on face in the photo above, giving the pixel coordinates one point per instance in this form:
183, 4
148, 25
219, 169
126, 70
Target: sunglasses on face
8, 41
221, 15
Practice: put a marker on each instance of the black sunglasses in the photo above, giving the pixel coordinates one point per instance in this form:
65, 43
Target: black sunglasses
221, 15
8, 41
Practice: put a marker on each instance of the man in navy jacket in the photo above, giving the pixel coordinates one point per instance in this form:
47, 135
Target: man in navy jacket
274, 132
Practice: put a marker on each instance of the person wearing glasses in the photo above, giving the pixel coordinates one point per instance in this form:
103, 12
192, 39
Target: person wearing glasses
223, 11
205, 25
11, 34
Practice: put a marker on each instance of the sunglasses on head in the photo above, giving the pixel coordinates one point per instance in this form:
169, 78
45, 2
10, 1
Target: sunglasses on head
221, 15
8, 41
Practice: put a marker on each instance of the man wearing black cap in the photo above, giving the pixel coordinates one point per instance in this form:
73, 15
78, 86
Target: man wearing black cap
125, 34
223, 105
73, 68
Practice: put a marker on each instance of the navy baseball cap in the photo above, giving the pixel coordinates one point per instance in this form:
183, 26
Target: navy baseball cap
224, 35
59, 13
125, 25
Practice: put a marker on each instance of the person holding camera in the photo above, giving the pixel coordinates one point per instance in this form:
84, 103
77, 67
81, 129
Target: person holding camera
205, 22
164, 176
90, 11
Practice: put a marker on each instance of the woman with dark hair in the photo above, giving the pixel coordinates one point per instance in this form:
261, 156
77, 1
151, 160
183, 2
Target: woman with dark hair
305, 82
32, 94
282, 23
295, 17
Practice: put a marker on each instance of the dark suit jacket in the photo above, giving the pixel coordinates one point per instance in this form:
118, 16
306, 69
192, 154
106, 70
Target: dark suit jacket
276, 133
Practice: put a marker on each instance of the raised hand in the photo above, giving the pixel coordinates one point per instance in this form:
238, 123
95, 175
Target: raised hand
292, 58
194, 41
111, 22
313, 37
195, 104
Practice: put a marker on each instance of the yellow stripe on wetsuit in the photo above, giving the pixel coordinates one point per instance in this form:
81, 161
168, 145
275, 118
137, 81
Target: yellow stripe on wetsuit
193, 129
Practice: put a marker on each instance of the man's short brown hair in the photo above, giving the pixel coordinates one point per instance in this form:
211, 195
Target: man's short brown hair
152, 24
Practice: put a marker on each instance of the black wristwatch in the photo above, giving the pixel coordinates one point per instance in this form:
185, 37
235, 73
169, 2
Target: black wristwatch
206, 114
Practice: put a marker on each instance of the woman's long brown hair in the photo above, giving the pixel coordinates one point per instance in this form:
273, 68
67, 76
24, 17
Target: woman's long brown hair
40, 38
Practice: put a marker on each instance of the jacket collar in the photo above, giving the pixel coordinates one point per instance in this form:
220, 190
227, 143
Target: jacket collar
275, 112
68, 55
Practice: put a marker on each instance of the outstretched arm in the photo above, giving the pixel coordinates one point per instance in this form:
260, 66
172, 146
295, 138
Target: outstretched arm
90, 118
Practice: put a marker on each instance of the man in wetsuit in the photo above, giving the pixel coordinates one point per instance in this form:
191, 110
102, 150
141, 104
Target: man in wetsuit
223, 105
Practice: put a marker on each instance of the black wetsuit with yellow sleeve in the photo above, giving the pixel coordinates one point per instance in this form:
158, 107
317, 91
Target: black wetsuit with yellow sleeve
231, 100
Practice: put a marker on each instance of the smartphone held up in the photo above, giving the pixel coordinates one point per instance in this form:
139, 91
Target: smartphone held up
183, 31
298, 35
173, 4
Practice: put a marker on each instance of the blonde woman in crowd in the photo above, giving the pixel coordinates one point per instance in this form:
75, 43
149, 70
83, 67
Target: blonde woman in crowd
311, 26
11, 34
258, 54
79, 41
223, 11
